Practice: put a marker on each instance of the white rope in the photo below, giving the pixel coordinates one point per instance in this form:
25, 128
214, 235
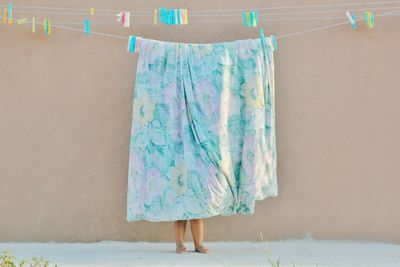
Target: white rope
227, 20
330, 26
205, 21
278, 37
207, 15
215, 10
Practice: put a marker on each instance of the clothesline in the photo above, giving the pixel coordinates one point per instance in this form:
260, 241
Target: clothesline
217, 10
229, 20
133, 14
277, 37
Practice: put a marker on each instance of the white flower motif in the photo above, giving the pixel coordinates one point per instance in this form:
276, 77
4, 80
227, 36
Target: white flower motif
178, 178
143, 108
254, 95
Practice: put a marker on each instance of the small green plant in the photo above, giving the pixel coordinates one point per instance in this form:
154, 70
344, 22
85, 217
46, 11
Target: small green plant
8, 260
277, 263
274, 264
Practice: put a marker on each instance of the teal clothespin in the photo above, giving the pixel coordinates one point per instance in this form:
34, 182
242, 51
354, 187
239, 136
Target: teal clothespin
255, 18
163, 15
352, 19
9, 14
87, 27
132, 44
178, 16
262, 36
170, 17
245, 14
274, 44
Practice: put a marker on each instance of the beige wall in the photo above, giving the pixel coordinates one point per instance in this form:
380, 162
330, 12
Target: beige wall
66, 103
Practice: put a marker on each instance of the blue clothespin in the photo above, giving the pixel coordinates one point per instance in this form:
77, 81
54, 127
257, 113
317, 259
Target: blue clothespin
352, 19
87, 27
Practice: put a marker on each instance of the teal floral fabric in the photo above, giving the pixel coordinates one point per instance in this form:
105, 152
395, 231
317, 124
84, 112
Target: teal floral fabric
203, 130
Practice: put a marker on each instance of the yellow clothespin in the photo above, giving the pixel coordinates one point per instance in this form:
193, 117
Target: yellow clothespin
184, 16
5, 15
92, 8
155, 16
369, 19
33, 24
49, 27
45, 25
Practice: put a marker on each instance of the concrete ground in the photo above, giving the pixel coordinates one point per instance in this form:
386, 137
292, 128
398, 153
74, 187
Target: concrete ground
303, 252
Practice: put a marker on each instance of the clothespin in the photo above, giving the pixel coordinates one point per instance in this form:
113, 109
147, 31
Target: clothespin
352, 19
155, 16
123, 17
177, 16
131, 44
185, 17
182, 14
33, 24
21, 21
49, 27
246, 19
9, 15
92, 8
273, 43
163, 15
170, 15
87, 27
5, 15
134, 44
126, 19
250, 18
262, 36
369, 19
45, 26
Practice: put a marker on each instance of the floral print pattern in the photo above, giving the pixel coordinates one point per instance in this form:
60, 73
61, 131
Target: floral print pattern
203, 130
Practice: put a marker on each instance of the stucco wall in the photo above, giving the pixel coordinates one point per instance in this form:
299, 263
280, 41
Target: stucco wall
66, 103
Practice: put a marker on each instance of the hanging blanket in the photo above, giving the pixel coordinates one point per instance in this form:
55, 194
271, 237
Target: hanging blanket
203, 130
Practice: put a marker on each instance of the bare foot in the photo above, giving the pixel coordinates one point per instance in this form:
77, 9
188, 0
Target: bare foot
201, 249
180, 248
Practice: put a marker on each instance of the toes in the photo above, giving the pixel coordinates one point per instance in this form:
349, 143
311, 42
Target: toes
201, 249
180, 249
